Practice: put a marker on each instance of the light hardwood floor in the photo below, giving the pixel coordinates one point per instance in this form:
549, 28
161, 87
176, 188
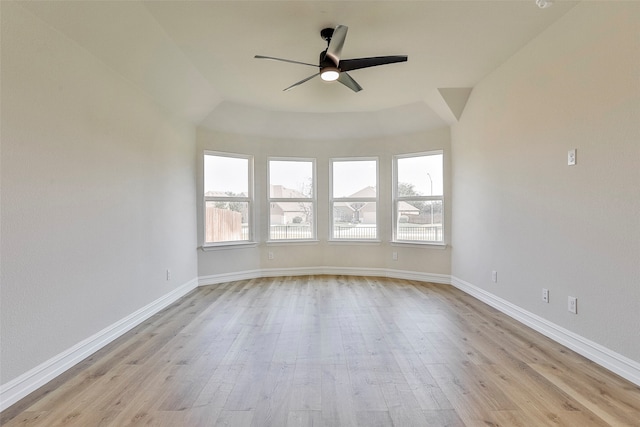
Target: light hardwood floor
331, 351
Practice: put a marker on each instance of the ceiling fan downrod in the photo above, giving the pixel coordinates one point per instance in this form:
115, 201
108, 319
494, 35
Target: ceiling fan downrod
326, 35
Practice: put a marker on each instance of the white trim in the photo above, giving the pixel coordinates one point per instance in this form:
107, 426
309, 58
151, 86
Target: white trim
372, 242
310, 271
313, 199
31, 380
243, 244
292, 242
609, 359
216, 279
333, 199
249, 199
420, 245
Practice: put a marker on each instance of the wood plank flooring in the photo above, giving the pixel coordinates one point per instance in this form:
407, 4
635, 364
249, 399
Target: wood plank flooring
331, 351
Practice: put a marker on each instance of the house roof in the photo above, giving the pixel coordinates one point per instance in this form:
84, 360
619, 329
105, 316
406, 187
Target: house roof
196, 59
279, 191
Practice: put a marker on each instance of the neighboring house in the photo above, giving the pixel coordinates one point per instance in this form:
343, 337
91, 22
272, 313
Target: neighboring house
281, 212
287, 212
361, 212
365, 212
407, 210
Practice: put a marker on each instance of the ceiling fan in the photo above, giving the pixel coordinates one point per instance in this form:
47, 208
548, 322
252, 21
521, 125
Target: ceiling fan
331, 67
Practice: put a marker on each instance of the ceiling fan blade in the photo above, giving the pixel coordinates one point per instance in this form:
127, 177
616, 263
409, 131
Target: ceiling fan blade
284, 60
356, 64
337, 41
348, 81
300, 82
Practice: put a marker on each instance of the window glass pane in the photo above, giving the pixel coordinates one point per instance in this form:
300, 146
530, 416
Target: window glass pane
419, 220
420, 176
354, 178
226, 176
291, 179
354, 220
226, 221
291, 220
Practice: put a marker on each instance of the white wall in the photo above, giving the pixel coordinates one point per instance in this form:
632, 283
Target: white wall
99, 189
98, 196
324, 253
519, 209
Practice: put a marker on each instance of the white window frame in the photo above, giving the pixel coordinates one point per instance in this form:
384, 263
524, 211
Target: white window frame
333, 200
249, 199
397, 199
312, 199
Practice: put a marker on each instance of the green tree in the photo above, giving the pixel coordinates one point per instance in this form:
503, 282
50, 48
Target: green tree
306, 189
406, 189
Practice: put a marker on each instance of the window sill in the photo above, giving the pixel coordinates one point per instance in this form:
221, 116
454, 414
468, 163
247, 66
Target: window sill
223, 246
429, 245
292, 242
354, 242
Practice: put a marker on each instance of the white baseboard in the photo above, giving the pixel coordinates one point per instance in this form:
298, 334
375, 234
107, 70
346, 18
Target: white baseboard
309, 271
603, 356
617, 363
31, 380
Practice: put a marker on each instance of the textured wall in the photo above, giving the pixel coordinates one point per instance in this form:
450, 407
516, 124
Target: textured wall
98, 195
519, 209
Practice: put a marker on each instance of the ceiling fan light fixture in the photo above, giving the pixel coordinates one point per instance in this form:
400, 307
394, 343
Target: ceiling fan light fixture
329, 74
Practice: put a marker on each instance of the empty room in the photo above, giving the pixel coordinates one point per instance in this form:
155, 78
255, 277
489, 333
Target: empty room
327, 213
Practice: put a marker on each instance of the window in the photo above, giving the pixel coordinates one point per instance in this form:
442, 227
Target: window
228, 198
354, 197
418, 198
292, 199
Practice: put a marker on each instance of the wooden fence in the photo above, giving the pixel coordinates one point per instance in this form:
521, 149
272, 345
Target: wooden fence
223, 225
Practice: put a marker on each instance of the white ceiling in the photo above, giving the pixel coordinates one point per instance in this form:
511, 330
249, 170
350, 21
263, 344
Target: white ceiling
196, 57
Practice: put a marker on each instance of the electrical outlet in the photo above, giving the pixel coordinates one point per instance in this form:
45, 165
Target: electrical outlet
545, 295
571, 157
270, 254
494, 276
394, 256
168, 274
572, 305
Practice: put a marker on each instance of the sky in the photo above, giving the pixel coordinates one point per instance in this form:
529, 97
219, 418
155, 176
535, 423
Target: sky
425, 173
223, 174
352, 176
230, 174
293, 175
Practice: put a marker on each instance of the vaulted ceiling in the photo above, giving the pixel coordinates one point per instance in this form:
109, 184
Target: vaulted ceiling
196, 58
